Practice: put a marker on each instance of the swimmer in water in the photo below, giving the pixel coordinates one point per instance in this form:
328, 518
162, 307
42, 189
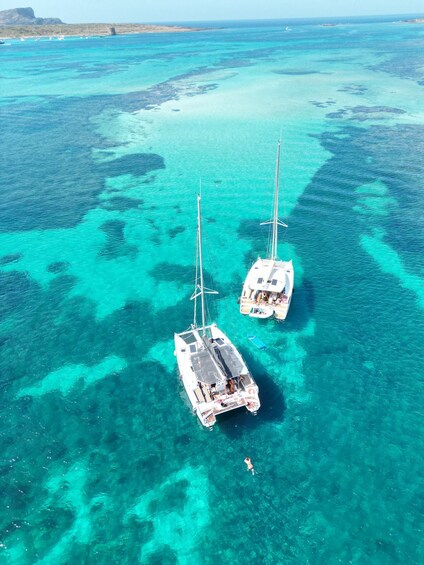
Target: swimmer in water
249, 464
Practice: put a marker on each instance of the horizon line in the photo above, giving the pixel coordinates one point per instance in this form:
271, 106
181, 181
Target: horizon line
156, 22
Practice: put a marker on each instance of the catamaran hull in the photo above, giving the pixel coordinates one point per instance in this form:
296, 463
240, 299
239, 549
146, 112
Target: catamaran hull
208, 402
268, 289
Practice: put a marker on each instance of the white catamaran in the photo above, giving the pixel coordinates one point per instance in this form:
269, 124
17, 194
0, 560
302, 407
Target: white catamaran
213, 372
268, 288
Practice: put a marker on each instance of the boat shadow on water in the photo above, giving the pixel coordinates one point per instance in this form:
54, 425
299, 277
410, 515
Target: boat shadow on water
301, 309
273, 405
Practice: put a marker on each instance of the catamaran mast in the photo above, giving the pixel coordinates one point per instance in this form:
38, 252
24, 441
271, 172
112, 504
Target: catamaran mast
200, 289
275, 221
199, 247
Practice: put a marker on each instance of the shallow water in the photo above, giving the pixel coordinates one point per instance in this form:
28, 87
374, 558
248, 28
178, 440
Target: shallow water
104, 142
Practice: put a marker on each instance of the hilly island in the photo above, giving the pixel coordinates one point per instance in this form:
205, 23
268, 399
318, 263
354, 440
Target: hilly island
22, 22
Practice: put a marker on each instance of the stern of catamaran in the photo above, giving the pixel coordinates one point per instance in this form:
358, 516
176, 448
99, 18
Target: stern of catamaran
268, 289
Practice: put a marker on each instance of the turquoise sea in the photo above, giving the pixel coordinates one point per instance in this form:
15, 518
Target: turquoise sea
103, 145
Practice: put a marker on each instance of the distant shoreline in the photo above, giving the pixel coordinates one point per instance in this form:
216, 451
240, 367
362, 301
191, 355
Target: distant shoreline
87, 30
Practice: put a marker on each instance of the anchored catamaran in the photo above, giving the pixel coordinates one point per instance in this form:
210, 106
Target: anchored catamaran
213, 372
268, 288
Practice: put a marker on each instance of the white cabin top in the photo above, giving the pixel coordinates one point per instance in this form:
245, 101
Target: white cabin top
269, 275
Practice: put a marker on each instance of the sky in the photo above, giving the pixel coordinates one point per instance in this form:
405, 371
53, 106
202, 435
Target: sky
113, 11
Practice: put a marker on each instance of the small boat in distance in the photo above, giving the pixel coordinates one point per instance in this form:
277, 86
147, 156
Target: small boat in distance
268, 288
213, 372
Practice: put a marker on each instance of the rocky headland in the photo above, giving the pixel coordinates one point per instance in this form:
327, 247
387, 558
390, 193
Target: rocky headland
24, 17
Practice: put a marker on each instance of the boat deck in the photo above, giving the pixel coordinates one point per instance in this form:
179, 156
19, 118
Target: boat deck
215, 363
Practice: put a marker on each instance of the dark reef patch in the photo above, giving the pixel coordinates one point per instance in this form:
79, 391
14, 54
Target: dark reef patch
99, 70
246, 58
156, 240
58, 267
333, 60
403, 66
76, 334
13, 288
77, 69
185, 276
138, 164
55, 330
253, 231
150, 179
122, 203
356, 89
175, 231
336, 115
202, 89
53, 192
294, 72
396, 155
363, 113
171, 272
324, 104
115, 245
392, 155
12, 258
46, 189
236, 63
